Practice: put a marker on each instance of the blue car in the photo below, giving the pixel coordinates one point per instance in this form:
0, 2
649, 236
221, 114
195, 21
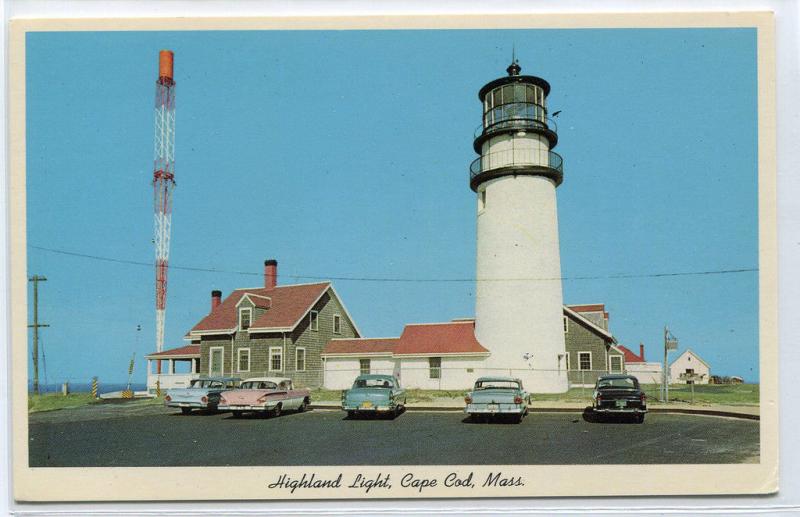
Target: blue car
201, 393
374, 394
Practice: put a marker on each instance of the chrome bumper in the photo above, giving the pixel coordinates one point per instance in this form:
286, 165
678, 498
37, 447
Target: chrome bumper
194, 405
234, 407
620, 410
483, 409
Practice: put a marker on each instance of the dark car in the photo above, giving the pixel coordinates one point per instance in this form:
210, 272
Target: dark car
619, 394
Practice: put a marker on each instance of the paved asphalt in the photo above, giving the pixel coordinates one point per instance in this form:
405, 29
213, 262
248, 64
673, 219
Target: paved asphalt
155, 436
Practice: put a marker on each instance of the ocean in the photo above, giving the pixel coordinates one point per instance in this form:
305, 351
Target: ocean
86, 387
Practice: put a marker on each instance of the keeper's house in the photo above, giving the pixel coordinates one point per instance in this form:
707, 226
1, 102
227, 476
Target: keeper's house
447, 355
264, 331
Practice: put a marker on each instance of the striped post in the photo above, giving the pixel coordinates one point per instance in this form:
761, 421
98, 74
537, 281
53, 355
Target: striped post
94, 387
158, 387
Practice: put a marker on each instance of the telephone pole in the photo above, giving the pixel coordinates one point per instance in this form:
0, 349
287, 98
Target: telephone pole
35, 326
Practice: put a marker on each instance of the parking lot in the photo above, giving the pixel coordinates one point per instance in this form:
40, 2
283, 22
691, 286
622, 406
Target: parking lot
152, 435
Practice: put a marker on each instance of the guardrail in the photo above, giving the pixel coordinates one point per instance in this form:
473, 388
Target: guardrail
516, 158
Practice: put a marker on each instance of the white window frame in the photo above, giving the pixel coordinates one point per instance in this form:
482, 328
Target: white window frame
580, 368
211, 359
313, 320
611, 363
296, 354
437, 369
250, 312
337, 317
272, 350
566, 325
239, 359
361, 368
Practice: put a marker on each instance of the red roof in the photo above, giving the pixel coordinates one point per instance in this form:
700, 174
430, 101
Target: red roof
262, 302
425, 338
439, 338
361, 346
289, 303
596, 307
630, 357
184, 350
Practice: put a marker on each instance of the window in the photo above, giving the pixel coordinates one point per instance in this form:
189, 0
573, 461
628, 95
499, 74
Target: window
566, 325
313, 320
566, 361
244, 359
363, 365
615, 363
300, 360
481, 200
584, 360
275, 359
215, 360
337, 324
435, 367
245, 313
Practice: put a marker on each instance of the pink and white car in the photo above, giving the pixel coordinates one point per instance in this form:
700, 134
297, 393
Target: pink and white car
268, 395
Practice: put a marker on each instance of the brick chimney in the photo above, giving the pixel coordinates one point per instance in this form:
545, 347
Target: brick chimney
270, 273
641, 351
216, 299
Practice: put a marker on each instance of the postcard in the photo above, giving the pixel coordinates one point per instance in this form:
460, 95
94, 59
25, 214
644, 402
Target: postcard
393, 257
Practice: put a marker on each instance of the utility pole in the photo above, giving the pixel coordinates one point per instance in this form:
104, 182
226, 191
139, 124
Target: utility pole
35, 326
666, 379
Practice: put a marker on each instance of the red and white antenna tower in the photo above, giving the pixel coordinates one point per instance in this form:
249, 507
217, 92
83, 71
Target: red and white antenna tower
163, 182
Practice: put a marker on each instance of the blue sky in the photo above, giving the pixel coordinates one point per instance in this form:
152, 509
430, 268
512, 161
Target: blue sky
344, 154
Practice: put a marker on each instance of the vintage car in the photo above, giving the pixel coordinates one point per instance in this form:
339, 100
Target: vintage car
373, 394
497, 396
267, 395
202, 393
619, 394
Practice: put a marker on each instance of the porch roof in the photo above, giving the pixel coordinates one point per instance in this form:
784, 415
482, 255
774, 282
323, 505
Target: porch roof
183, 352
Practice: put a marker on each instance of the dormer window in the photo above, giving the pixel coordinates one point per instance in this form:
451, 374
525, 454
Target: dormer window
245, 316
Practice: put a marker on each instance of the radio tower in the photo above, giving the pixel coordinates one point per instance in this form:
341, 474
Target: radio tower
163, 182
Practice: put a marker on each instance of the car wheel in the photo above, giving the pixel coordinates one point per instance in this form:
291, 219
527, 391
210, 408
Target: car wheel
518, 418
277, 410
640, 418
236, 414
351, 415
186, 410
303, 406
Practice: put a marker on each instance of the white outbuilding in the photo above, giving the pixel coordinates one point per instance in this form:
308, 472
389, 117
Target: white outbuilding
689, 363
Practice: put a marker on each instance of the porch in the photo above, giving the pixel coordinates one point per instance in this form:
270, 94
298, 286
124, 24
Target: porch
173, 368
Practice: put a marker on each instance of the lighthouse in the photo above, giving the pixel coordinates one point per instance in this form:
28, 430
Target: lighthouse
518, 306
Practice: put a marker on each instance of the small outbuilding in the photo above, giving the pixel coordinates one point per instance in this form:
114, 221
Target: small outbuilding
689, 363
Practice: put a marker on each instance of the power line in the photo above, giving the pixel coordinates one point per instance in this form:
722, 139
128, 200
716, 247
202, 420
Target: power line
409, 280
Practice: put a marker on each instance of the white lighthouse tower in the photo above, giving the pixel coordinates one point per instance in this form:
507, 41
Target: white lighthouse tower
518, 307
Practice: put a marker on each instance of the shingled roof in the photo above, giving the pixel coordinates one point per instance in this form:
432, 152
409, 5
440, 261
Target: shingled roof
455, 337
361, 346
286, 307
191, 351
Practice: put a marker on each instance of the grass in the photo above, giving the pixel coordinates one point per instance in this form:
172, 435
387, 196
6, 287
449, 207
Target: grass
730, 394
51, 401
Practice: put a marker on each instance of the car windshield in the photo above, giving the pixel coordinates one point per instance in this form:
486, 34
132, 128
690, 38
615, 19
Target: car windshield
621, 383
200, 383
497, 385
258, 385
373, 383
